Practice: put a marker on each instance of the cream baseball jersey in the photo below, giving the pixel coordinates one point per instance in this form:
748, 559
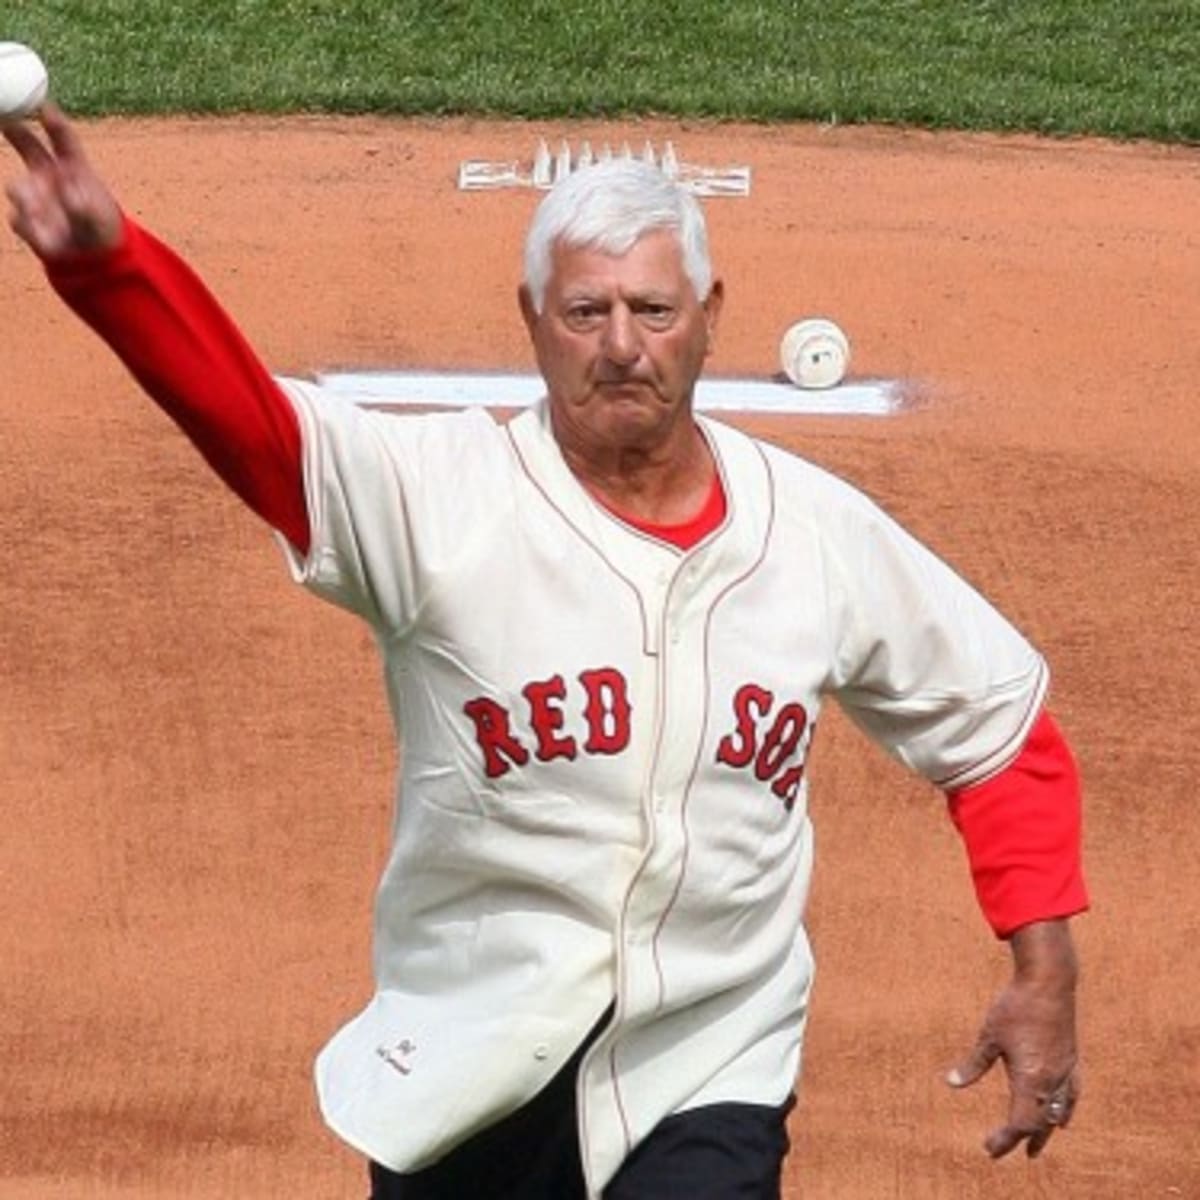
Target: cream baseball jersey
602, 795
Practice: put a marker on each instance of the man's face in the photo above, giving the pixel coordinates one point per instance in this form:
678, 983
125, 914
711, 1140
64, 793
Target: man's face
620, 342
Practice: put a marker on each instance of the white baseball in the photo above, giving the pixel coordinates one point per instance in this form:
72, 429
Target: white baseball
23, 81
815, 353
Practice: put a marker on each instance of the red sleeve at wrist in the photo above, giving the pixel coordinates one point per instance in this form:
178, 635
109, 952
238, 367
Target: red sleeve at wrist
1021, 829
190, 357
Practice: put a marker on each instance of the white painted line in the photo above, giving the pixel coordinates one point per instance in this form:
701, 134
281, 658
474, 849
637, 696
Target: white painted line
872, 398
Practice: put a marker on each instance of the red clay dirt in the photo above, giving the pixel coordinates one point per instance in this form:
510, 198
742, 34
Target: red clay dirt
195, 759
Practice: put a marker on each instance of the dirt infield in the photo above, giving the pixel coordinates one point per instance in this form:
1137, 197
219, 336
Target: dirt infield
195, 760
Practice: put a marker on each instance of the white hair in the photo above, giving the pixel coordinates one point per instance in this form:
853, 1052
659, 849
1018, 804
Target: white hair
608, 206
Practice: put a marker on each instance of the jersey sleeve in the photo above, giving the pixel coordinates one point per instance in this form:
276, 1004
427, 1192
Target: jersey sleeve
189, 356
386, 504
935, 674
926, 666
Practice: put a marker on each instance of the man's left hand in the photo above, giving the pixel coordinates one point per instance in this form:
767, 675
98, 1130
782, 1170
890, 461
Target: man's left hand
1030, 1027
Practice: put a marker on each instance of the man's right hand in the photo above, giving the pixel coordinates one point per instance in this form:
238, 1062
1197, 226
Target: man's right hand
60, 207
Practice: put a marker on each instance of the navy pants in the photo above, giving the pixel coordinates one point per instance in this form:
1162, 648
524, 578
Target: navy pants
718, 1152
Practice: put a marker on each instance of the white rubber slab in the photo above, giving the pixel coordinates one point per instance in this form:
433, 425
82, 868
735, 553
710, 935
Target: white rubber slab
872, 397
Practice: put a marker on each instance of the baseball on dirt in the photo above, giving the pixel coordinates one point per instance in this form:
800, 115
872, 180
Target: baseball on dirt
23, 81
815, 353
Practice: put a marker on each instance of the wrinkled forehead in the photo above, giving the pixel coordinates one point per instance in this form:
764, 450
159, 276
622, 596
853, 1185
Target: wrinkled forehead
653, 261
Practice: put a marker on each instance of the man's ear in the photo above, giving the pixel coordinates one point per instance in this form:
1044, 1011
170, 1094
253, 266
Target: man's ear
712, 312
529, 312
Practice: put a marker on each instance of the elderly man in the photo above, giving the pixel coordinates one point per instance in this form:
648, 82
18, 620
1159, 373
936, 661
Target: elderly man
607, 628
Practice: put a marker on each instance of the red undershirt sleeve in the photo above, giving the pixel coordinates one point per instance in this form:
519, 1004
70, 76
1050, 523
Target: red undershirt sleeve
1021, 829
189, 356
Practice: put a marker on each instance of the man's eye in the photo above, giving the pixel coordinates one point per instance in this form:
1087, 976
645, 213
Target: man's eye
583, 316
656, 316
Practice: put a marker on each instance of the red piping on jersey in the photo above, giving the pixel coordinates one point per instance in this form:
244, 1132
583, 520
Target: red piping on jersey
555, 507
691, 783
947, 784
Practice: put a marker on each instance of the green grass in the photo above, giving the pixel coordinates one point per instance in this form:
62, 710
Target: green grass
1121, 68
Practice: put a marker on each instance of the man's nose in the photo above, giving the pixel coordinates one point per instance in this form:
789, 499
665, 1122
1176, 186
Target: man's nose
622, 340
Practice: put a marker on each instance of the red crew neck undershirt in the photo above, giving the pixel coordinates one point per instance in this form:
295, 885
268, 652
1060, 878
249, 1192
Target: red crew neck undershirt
687, 533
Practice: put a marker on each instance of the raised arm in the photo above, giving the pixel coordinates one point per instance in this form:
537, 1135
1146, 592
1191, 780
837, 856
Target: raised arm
161, 320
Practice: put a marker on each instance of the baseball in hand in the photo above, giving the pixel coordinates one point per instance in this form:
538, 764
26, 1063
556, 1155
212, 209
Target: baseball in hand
815, 353
23, 82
